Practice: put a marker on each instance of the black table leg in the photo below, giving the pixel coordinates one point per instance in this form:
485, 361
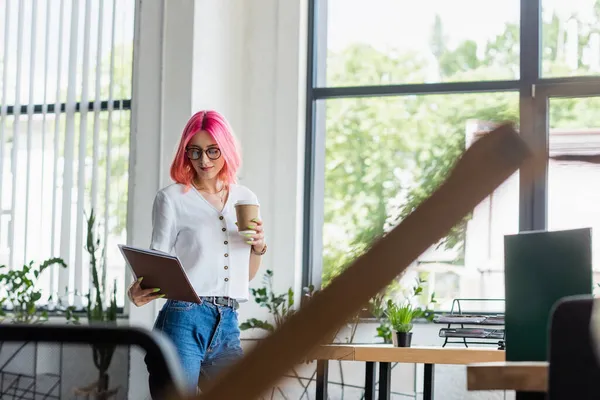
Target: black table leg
428, 382
370, 379
385, 380
322, 377
530, 396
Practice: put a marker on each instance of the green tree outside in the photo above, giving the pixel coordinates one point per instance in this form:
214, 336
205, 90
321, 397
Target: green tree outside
384, 156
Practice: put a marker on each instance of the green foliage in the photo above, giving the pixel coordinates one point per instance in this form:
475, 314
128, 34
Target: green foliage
254, 323
96, 311
377, 308
384, 156
19, 286
401, 315
280, 306
384, 331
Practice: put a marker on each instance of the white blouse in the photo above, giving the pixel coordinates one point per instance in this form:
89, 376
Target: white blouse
214, 255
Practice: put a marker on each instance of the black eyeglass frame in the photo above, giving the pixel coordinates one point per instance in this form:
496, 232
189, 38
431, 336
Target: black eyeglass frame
200, 151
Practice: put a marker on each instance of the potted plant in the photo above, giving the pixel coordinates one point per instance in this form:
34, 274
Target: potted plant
99, 313
21, 292
402, 315
19, 296
401, 318
280, 306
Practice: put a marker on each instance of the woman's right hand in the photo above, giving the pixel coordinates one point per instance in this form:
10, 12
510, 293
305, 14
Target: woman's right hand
139, 296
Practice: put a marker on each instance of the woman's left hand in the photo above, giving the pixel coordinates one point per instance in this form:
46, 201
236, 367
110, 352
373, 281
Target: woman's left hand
257, 240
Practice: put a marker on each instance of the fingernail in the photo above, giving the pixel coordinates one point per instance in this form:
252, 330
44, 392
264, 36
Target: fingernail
162, 295
249, 241
140, 278
251, 226
247, 234
156, 290
254, 220
236, 223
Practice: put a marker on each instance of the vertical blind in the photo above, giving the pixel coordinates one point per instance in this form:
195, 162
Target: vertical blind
65, 90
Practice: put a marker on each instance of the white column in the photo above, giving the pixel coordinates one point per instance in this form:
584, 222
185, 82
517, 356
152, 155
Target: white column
163, 61
162, 80
272, 134
219, 65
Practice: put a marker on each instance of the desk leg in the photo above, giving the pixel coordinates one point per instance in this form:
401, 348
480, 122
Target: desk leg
428, 382
385, 380
530, 396
370, 379
322, 377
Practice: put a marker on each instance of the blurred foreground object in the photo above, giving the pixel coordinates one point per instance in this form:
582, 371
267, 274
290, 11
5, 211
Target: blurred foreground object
83, 339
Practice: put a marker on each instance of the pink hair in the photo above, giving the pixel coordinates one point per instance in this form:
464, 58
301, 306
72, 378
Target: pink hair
217, 126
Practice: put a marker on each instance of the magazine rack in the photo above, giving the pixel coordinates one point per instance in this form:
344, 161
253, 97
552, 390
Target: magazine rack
472, 328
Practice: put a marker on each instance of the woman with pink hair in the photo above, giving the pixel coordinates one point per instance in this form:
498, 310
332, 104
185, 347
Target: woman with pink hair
194, 219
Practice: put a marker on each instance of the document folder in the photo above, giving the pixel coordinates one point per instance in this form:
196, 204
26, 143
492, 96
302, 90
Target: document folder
160, 270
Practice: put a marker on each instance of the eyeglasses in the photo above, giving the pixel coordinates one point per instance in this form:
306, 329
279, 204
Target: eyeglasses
195, 153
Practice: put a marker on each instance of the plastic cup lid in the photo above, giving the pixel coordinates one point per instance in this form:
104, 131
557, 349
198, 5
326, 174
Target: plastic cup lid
246, 203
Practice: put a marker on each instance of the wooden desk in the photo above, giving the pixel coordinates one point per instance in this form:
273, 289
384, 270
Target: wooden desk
518, 376
387, 354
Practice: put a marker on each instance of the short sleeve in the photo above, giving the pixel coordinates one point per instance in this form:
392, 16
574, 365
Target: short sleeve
163, 224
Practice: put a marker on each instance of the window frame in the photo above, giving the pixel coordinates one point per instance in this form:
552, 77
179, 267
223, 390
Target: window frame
532, 89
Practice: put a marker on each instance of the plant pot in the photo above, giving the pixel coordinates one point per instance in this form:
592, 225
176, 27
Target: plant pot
402, 339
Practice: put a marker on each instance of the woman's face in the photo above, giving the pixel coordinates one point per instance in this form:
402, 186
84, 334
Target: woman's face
205, 155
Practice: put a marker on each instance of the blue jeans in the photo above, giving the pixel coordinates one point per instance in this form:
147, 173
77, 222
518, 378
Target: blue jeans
206, 336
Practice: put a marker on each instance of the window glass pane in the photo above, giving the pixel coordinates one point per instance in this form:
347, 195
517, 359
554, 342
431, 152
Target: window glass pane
47, 48
396, 42
384, 156
570, 38
37, 172
573, 187
51, 52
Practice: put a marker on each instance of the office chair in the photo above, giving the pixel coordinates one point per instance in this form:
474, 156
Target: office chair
574, 371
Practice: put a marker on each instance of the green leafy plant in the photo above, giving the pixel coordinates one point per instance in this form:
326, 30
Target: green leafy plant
384, 331
377, 309
401, 315
21, 293
280, 306
97, 310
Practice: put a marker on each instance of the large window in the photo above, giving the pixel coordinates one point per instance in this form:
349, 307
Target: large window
65, 89
398, 91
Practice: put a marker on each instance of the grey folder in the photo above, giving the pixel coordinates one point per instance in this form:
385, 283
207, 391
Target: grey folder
160, 270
